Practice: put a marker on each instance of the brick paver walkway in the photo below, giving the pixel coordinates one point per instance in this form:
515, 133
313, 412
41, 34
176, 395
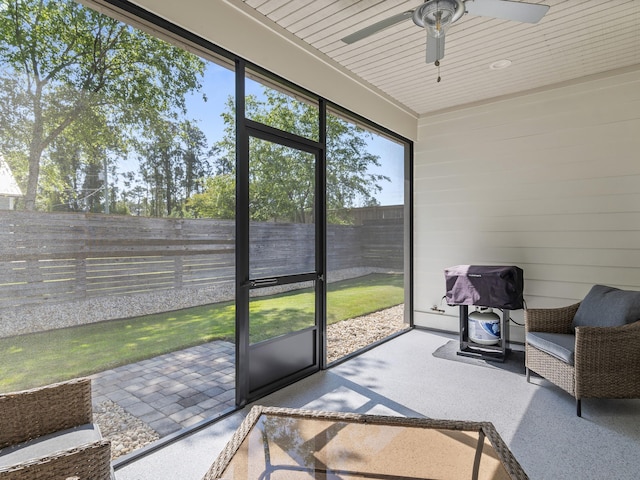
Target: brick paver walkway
175, 390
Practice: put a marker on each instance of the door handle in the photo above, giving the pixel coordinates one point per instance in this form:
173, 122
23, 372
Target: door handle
263, 282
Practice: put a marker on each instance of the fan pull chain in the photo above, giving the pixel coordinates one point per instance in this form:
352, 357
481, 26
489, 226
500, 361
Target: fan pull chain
437, 64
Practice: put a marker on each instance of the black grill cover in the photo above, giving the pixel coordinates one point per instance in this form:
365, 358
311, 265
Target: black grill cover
485, 286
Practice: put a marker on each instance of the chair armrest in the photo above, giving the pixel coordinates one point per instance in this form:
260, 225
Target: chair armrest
607, 361
550, 320
32, 413
89, 461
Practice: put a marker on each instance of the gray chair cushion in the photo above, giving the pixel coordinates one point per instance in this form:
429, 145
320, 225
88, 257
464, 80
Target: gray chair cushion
49, 444
560, 345
608, 307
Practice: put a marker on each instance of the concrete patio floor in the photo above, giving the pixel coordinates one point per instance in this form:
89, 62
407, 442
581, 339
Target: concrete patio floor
403, 377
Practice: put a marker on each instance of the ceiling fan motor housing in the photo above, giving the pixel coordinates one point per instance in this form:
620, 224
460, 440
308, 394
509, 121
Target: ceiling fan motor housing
425, 12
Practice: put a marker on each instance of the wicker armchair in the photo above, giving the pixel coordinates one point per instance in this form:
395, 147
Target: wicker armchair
47, 433
605, 359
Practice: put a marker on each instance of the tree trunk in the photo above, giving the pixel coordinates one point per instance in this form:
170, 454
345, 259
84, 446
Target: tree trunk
32, 182
166, 164
35, 151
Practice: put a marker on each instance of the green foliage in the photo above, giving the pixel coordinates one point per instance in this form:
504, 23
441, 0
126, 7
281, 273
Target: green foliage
282, 180
71, 75
281, 183
80, 91
217, 200
350, 182
172, 158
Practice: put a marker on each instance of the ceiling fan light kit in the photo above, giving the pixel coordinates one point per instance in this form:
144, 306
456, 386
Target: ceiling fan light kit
436, 16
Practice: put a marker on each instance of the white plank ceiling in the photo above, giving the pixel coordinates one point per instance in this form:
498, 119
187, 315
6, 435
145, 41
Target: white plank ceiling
576, 38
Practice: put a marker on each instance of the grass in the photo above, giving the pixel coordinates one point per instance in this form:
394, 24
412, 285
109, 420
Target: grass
41, 358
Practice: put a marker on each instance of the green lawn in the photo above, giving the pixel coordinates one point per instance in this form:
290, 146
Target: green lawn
41, 358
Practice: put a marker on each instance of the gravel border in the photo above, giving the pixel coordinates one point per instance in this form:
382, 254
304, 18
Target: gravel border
347, 336
126, 432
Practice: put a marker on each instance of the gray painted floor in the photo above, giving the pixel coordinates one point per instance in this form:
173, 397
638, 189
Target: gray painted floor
402, 377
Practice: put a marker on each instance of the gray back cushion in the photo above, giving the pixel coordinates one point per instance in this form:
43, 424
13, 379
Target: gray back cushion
608, 307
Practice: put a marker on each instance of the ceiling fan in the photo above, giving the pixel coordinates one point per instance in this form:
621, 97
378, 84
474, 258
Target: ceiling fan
437, 15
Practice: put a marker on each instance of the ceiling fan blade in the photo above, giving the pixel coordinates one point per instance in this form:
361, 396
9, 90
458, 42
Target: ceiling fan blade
435, 49
376, 27
507, 10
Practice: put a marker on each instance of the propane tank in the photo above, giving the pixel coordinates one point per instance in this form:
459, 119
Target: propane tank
484, 326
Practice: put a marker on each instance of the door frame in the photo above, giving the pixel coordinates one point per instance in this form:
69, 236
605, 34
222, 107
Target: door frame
246, 129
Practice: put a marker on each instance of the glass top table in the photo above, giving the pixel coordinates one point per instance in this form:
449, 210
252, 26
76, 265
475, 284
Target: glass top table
279, 443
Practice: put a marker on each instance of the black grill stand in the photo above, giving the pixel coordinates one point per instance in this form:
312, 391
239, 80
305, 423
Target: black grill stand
468, 348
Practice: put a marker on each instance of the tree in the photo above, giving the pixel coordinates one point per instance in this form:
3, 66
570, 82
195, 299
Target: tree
82, 154
350, 181
172, 159
60, 60
196, 164
218, 200
282, 179
158, 152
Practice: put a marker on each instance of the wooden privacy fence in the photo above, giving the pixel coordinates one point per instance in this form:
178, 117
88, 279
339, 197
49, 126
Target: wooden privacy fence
62, 256
382, 245
59, 257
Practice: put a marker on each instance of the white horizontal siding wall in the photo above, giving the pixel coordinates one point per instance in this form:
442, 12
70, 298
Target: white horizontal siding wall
549, 181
